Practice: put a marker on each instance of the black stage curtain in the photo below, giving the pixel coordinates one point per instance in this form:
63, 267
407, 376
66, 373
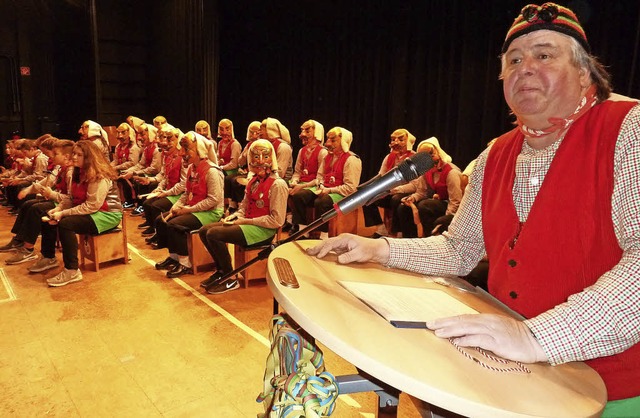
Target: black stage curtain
184, 61
374, 66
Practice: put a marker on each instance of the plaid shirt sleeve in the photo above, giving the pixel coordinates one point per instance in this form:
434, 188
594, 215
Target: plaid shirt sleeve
458, 250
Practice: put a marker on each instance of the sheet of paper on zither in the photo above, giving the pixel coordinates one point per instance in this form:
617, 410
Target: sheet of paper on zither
407, 307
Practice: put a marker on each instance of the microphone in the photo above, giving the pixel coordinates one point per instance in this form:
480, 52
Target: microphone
380, 185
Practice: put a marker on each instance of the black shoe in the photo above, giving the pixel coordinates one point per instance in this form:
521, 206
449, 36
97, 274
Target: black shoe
13, 211
168, 264
137, 211
144, 225
156, 246
150, 240
12, 245
223, 287
149, 232
214, 278
287, 227
128, 205
294, 229
178, 271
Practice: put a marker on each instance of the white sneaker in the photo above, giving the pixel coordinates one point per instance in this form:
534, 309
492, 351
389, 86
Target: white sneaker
65, 277
43, 264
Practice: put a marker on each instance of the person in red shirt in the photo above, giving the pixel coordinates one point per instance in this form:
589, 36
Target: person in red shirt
401, 146
261, 213
201, 203
554, 204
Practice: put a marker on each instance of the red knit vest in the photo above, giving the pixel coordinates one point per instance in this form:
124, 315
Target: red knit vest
310, 164
258, 203
334, 174
172, 168
568, 240
196, 187
148, 151
79, 193
122, 153
224, 151
61, 179
394, 159
440, 188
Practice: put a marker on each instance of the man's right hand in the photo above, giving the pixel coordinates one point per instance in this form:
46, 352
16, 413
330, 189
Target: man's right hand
353, 249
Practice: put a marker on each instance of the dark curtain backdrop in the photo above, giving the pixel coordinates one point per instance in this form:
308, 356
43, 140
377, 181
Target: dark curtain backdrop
374, 66
183, 68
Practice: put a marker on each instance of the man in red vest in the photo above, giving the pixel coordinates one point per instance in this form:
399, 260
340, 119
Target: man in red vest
401, 148
554, 203
340, 175
309, 162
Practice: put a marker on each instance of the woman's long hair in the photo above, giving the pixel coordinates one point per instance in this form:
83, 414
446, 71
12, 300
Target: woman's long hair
95, 165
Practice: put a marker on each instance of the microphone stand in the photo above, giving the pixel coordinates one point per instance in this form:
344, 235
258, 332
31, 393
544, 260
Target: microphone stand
264, 253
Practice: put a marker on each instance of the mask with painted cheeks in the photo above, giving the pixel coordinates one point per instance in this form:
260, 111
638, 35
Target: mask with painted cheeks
307, 132
188, 149
262, 158
398, 141
123, 133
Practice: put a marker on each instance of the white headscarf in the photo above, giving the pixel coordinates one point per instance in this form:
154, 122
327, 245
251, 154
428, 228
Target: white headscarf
347, 138
204, 147
96, 130
318, 130
434, 141
275, 129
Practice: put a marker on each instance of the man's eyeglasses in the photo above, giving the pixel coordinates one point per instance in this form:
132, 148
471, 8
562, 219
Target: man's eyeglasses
547, 12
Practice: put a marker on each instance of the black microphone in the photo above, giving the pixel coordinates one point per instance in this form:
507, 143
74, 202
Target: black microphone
380, 186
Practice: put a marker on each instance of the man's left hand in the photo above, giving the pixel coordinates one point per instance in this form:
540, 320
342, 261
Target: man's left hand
504, 336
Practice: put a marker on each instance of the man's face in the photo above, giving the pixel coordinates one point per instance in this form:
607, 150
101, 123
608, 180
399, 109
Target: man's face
307, 132
122, 134
254, 133
432, 151
84, 131
333, 143
398, 141
59, 157
224, 130
260, 161
158, 122
163, 140
540, 79
203, 130
188, 150
142, 136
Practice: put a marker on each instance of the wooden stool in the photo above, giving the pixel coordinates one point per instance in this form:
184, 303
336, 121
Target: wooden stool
198, 255
257, 270
108, 246
340, 223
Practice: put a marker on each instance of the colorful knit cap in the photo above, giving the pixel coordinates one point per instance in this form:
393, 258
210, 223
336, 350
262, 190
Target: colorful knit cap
549, 16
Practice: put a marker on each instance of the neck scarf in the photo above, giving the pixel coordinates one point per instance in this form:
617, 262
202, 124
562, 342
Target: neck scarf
557, 124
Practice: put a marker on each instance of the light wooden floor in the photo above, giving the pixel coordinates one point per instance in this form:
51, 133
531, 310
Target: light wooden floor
127, 341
